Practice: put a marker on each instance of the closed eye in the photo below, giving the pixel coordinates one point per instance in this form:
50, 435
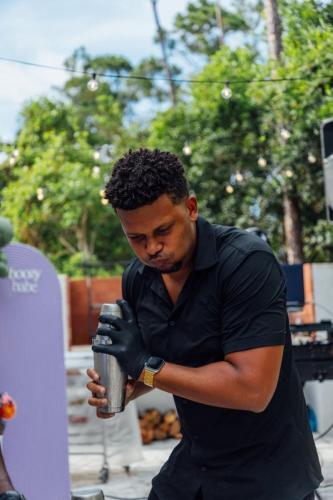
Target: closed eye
136, 238
164, 230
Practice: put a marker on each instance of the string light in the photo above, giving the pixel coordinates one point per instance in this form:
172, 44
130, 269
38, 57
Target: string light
40, 194
311, 158
12, 161
285, 134
164, 79
289, 173
15, 153
239, 177
102, 193
96, 155
93, 83
104, 201
262, 162
226, 92
96, 171
229, 189
187, 150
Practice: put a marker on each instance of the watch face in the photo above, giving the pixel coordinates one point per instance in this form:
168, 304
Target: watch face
155, 363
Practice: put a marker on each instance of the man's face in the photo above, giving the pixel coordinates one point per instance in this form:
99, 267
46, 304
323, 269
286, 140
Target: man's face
162, 234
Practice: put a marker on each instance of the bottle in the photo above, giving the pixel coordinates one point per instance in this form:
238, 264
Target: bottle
112, 376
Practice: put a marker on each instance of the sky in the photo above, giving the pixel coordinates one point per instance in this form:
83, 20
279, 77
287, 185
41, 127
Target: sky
48, 31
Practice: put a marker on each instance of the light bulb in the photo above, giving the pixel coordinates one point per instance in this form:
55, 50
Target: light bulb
187, 149
311, 158
289, 173
262, 162
226, 92
40, 194
239, 177
229, 189
93, 83
96, 171
285, 134
96, 155
104, 201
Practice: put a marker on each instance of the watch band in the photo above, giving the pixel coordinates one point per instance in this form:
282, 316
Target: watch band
152, 366
148, 377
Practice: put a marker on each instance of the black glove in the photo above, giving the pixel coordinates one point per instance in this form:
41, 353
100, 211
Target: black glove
127, 343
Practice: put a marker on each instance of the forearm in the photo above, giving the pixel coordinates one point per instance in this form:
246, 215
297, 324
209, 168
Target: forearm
218, 384
139, 390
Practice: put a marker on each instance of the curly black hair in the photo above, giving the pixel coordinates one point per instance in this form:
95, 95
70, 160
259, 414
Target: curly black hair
140, 177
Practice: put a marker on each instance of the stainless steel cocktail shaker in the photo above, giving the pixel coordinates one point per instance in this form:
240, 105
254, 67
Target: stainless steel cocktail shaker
112, 376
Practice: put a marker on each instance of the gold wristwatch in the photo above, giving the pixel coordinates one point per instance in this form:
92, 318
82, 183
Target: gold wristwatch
152, 366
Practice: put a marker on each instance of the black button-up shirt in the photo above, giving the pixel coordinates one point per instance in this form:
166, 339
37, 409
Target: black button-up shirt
233, 300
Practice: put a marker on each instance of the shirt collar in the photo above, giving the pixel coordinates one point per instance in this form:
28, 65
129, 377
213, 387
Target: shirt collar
205, 253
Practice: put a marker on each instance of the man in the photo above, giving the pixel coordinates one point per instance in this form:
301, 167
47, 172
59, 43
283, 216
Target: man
207, 322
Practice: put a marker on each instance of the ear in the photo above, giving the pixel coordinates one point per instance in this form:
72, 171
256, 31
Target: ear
192, 207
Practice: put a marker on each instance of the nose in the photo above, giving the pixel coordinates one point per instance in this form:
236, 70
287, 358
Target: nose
153, 247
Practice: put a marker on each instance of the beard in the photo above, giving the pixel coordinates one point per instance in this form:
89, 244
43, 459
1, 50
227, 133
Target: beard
173, 268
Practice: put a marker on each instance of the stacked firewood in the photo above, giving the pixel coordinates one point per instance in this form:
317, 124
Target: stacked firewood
156, 426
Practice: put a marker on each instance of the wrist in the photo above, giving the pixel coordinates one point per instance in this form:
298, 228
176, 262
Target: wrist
152, 367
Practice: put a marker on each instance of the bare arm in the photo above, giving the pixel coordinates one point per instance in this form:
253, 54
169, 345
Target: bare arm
245, 380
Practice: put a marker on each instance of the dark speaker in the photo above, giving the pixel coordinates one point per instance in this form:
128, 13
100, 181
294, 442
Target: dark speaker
327, 154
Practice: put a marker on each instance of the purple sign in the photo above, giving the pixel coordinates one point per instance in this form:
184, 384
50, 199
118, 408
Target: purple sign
32, 371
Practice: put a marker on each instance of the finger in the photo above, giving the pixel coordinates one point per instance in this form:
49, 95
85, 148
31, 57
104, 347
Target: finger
97, 390
105, 349
110, 319
126, 309
104, 330
92, 373
108, 331
131, 383
103, 414
97, 402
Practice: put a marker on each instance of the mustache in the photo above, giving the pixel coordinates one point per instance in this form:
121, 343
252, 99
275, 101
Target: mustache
156, 257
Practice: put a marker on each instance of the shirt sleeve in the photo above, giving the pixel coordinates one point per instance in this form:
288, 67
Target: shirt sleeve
254, 305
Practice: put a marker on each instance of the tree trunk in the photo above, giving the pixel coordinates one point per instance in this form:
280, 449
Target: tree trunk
161, 38
82, 237
273, 29
292, 229
219, 21
291, 210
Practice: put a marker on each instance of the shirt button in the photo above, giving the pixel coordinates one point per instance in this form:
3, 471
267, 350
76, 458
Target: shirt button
172, 323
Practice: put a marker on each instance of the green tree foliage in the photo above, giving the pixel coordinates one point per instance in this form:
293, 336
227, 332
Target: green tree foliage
58, 169
197, 28
239, 163
6, 234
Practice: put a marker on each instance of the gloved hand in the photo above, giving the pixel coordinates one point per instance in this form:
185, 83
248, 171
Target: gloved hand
127, 343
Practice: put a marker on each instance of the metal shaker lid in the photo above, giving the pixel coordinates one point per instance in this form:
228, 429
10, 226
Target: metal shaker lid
87, 494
